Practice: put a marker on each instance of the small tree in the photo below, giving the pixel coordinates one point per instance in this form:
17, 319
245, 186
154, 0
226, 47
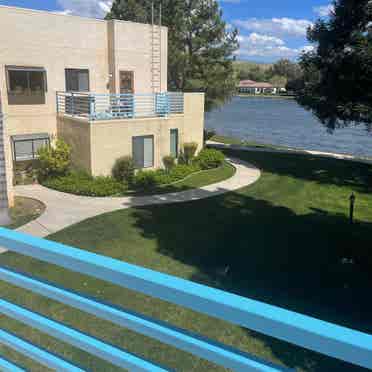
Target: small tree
54, 160
123, 170
189, 151
169, 162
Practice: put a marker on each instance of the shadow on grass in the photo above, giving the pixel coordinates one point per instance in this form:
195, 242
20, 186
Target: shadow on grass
258, 250
312, 168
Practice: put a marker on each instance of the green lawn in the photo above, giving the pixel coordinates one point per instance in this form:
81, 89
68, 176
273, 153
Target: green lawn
283, 239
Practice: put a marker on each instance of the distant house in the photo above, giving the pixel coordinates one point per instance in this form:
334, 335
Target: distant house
254, 87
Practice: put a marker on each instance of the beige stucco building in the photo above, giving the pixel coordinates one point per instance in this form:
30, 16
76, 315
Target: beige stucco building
99, 85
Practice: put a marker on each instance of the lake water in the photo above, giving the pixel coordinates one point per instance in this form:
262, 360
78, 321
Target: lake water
283, 122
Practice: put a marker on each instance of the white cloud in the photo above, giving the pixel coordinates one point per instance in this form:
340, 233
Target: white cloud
85, 8
260, 45
307, 48
276, 26
323, 10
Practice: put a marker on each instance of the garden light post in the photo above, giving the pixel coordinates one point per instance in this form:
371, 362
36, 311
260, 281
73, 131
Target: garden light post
352, 203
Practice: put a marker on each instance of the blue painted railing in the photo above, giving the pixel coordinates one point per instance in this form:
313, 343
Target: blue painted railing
329, 339
94, 106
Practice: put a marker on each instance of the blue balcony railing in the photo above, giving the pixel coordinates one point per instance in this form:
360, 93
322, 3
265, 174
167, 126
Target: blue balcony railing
326, 338
119, 106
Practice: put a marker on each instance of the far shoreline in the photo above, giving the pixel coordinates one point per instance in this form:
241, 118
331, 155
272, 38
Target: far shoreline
236, 142
277, 96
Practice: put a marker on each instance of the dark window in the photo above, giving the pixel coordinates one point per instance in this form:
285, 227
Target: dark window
143, 151
126, 82
174, 142
77, 80
26, 85
25, 147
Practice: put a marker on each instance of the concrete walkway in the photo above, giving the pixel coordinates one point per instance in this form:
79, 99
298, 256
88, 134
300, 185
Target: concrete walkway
63, 210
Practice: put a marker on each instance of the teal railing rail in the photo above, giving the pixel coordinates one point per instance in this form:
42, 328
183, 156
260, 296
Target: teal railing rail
326, 338
95, 106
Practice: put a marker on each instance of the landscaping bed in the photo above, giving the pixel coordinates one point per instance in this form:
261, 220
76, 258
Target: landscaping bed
24, 211
208, 167
80, 183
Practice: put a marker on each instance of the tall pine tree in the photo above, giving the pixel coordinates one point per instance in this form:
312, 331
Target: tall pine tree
200, 46
337, 83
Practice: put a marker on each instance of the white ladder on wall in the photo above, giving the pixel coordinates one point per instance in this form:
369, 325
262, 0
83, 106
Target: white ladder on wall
156, 54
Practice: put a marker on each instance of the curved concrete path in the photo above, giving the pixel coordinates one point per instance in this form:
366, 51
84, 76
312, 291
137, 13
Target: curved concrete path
63, 210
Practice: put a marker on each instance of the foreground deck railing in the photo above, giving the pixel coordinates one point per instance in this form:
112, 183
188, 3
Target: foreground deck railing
119, 106
329, 339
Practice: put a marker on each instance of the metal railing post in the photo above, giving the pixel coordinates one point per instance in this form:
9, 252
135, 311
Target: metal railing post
133, 105
57, 102
72, 104
92, 107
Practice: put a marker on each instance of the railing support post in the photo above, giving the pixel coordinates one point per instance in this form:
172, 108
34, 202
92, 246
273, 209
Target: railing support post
57, 102
92, 107
72, 104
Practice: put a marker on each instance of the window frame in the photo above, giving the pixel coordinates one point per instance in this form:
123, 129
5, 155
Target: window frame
174, 130
26, 69
132, 76
32, 140
143, 137
77, 70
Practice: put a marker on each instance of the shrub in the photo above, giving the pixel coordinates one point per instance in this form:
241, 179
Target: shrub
54, 161
189, 150
210, 158
169, 162
81, 183
145, 179
181, 171
123, 170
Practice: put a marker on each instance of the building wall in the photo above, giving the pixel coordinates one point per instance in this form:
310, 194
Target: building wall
194, 118
112, 139
134, 53
55, 42
77, 134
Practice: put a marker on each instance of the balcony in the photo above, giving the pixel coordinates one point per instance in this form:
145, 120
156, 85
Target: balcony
100, 128
94, 107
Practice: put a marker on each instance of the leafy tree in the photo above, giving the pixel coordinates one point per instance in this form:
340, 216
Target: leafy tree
278, 81
131, 10
284, 67
54, 160
200, 46
246, 70
337, 83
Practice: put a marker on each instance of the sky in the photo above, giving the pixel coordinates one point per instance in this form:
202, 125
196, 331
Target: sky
268, 29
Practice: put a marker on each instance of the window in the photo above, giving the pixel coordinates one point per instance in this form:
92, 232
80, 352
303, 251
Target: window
143, 151
26, 85
25, 147
174, 142
126, 82
77, 80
